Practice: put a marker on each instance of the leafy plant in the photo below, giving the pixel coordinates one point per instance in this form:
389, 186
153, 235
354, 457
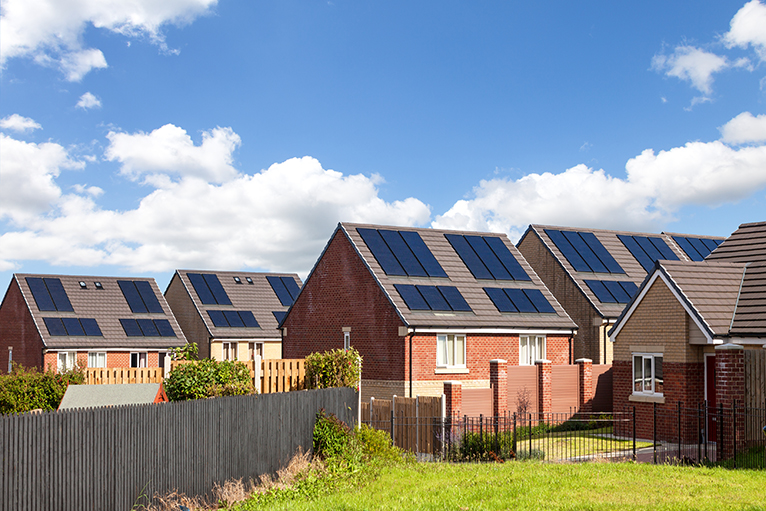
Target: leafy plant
26, 389
376, 445
208, 378
335, 368
333, 440
188, 351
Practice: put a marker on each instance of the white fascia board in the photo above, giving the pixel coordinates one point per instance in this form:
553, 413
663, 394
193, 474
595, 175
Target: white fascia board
532, 331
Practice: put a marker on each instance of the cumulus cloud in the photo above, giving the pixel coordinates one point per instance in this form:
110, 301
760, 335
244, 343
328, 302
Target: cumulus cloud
16, 122
88, 101
748, 28
51, 31
691, 64
744, 129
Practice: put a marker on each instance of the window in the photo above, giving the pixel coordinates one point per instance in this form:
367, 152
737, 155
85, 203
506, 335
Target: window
66, 360
531, 348
450, 350
647, 373
346, 340
138, 359
97, 359
254, 349
230, 351
10, 358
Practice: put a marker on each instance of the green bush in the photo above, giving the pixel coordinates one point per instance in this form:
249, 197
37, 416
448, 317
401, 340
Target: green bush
188, 351
376, 445
208, 378
27, 389
335, 368
333, 440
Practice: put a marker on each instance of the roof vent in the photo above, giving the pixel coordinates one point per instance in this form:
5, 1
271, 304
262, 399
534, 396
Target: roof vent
83, 285
98, 285
237, 280
249, 280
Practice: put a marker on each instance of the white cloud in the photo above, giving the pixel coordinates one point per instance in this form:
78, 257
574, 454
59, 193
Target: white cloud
88, 100
691, 64
16, 122
170, 150
744, 129
748, 27
50, 31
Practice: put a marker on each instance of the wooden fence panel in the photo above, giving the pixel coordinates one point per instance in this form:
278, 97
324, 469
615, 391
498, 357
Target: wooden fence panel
755, 392
602, 388
477, 402
282, 375
118, 375
522, 388
565, 389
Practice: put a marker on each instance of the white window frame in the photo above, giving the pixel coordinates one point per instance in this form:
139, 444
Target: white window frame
97, 359
527, 356
141, 356
66, 360
641, 376
229, 351
443, 357
254, 349
346, 340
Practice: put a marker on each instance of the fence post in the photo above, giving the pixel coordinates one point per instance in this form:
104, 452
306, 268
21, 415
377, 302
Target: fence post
699, 435
417, 425
443, 419
393, 440
514, 433
734, 417
679, 431
654, 433
634, 433
257, 373
705, 426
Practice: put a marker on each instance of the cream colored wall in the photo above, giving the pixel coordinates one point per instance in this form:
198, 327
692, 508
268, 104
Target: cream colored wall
271, 349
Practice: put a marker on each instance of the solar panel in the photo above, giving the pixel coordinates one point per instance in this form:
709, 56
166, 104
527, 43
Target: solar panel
434, 298
40, 294
617, 291
248, 319
218, 319
164, 328
132, 296
602, 253
200, 286
629, 288
648, 247
73, 327
454, 298
665, 250
488, 257
278, 285
582, 248
148, 327
505, 256
602, 293
635, 249
710, 244
235, 321
131, 328
91, 328
216, 288
55, 326
700, 247
520, 300
279, 316
539, 301
148, 296
412, 297
688, 248
566, 249
403, 254
292, 287
424, 255
58, 295
381, 252
469, 257
500, 299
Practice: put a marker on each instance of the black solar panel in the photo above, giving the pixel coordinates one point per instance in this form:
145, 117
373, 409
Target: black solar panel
584, 250
629, 288
710, 244
129, 291
520, 300
612, 291
567, 250
218, 318
403, 254
40, 294
424, 255
488, 257
164, 328
279, 315
55, 326
202, 289
381, 252
700, 247
602, 293
291, 286
235, 321
278, 285
648, 247
412, 297
509, 261
454, 298
131, 328
469, 257
73, 327
148, 296
539, 301
602, 253
617, 291
58, 295
248, 319
216, 288
500, 299
687, 247
665, 250
91, 328
434, 298
635, 249
148, 327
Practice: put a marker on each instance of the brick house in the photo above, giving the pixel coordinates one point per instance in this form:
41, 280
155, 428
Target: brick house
58, 321
424, 306
232, 315
594, 273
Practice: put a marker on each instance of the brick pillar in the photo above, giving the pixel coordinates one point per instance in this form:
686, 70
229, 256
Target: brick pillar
544, 404
498, 380
585, 371
453, 396
730, 387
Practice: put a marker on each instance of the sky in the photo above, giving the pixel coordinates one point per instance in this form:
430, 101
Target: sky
141, 137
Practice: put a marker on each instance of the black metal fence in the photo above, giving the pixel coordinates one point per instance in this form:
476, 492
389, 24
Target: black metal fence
105, 458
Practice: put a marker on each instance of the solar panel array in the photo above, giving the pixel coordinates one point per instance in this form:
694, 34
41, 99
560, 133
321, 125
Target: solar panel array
233, 319
73, 327
285, 288
401, 253
140, 296
697, 248
519, 300
49, 294
487, 257
433, 298
209, 288
279, 315
612, 291
647, 250
147, 327
584, 251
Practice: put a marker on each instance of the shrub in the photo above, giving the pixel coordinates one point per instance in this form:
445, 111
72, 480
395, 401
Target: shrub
208, 378
188, 351
27, 389
376, 445
335, 368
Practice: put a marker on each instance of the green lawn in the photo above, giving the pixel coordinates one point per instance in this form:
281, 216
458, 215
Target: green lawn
534, 485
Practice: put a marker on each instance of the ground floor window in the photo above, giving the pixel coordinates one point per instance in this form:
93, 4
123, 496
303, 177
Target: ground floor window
230, 351
97, 359
66, 360
647, 373
531, 348
450, 350
138, 359
254, 349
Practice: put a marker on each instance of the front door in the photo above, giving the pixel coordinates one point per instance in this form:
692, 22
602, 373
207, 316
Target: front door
710, 397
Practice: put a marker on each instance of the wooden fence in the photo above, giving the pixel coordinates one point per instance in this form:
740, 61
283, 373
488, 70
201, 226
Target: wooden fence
755, 391
112, 375
275, 375
415, 428
105, 458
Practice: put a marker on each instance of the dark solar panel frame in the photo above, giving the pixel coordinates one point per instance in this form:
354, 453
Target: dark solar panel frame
434, 299
506, 257
454, 298
219, 293
599, 289
131, 328
403, 254
234, 319
147, 295
40, 294
629, 287
423, 254
278, 285
582, 248
666, 252
567, 250
541, 303
148, 327
132, 296
58, 294
520, 300
469, 257
248, 319
202, 289
380, 251
488, 257
687, 247
500, 299
91, 328
710, 244
648, 247
617, 291
55, 327
73, 327
279, 315
700, 247
164, 328
218, 318
635, 249
292, 287
601, 252
412, 297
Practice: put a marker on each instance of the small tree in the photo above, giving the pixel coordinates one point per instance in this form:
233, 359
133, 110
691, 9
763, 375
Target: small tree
188, 351
335, 368
27, 389
208, 378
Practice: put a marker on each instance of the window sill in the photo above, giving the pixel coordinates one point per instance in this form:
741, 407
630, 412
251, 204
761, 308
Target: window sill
451, 370
647, 398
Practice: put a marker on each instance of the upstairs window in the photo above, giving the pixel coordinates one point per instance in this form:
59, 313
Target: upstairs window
531, 348
450, 350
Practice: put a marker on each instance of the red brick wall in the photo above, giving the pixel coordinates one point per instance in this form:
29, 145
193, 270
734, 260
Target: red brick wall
113, 359
18, 330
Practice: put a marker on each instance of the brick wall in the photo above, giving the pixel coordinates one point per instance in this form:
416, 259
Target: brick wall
186, 314
18, 330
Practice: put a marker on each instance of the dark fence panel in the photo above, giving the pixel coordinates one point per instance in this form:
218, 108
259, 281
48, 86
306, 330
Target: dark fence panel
105, 458
602, 388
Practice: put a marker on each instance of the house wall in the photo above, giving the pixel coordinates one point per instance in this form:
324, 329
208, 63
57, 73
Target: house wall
187, 316
586, 343
113, 358
18, 330
271, 349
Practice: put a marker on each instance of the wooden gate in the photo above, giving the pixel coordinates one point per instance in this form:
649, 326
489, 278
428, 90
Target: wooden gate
522, 389
565, 389
602, 388
477, 402
417, 421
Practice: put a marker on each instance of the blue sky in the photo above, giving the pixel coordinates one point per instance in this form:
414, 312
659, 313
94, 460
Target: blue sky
138, 138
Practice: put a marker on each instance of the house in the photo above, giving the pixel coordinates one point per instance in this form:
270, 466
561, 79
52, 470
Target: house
693, 330
232, 315
94, 396
425, 306
594, 273
61, 320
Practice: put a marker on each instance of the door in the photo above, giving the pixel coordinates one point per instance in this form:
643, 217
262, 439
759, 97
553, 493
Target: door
710, 397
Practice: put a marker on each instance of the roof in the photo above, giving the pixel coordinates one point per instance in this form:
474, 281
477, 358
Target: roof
451, 272
630, 270
746, 245
247, 292
88, 312
93, 396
